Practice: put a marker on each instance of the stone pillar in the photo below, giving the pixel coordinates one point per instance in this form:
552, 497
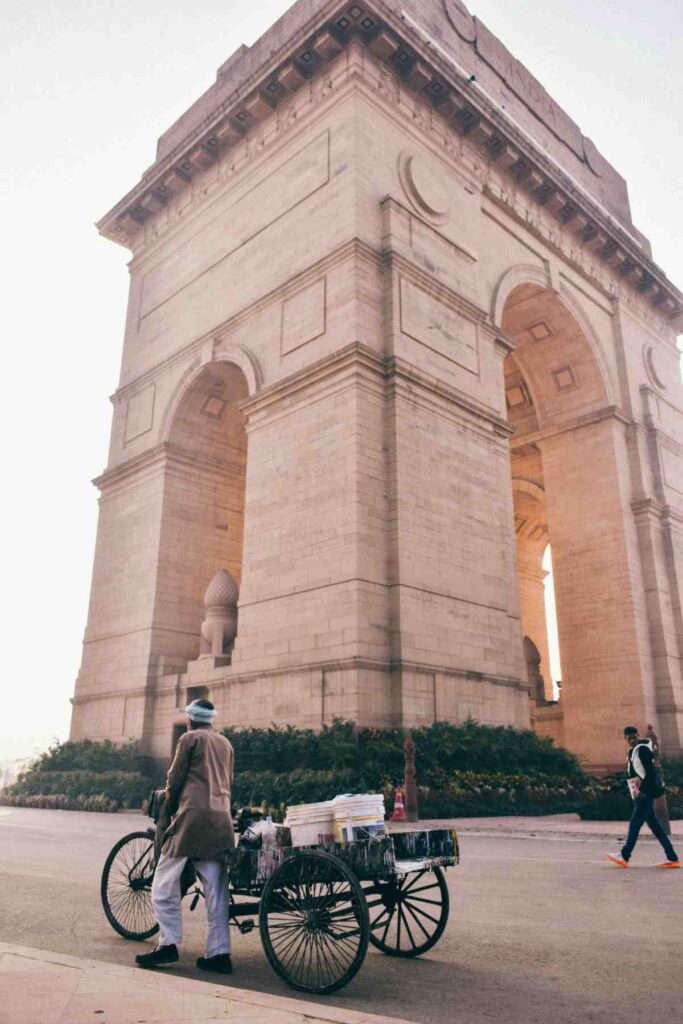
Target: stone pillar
314, 580
122, 647
606, 660
532, 579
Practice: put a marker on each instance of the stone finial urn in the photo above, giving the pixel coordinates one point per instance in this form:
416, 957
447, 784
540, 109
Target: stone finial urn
219, 627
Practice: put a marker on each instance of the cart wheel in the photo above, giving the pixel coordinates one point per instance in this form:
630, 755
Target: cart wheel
314, 922
126, 887
408, 915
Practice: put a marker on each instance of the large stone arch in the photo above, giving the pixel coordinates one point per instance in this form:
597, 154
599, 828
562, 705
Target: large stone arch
571, 489
530, 274
223, 353
202, 523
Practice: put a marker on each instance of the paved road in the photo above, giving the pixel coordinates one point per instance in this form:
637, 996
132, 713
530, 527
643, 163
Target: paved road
540, 928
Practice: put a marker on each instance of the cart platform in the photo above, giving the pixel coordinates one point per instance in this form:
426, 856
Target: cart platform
391, 856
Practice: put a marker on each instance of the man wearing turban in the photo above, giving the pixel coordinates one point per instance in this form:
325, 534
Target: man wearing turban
198, 800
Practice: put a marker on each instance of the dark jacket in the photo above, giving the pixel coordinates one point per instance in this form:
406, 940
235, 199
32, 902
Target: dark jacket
641, 765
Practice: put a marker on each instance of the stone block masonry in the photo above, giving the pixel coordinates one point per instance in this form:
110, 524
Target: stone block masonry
388, 338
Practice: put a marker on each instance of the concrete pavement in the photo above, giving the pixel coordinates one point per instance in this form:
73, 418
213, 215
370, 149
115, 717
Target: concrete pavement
552, 826
37, 987
541, 926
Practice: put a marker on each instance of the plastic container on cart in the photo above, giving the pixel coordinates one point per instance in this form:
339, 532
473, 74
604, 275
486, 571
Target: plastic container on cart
358, 817
311, 824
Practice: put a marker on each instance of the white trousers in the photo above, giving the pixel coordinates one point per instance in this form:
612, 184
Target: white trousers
166, 900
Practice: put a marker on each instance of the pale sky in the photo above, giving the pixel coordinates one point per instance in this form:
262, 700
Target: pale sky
86, 90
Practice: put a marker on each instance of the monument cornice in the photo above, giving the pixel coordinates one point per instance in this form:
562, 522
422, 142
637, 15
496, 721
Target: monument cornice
608, 412
408, 379
161, 456
654, 510
423, 66
345, 367
232, 676
227, 677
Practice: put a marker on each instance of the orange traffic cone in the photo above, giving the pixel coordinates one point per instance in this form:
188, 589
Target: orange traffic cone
399, 807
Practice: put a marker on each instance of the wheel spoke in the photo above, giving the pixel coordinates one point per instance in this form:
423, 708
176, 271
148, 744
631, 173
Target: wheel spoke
424, 931
126, 887
411, 882
425, 914
413, 913
407, 926
314, 922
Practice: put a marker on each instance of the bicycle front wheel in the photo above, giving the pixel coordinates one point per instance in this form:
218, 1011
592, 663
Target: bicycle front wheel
126, 887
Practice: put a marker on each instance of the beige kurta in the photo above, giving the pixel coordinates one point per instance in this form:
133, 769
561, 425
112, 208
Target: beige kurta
198, 785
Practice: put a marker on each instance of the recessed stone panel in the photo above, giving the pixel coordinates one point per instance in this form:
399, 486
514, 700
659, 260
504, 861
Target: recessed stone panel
139, 414
517, 396
672, 464
269, 199
540, 331
564, 378
303, 317
438, 326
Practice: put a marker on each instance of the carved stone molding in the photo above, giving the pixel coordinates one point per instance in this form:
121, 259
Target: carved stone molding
442, 93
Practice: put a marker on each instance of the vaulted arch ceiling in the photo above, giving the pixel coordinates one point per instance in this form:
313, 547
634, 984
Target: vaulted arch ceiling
554, 376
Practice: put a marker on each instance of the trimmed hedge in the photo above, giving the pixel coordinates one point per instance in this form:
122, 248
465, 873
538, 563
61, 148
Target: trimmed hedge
441, 749
85, 776
608, 799
125, 789
94, 756
466, 770
60, 802
466, 794
463, 770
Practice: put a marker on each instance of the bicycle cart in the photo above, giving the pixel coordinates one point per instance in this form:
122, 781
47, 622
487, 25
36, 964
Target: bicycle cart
317, 907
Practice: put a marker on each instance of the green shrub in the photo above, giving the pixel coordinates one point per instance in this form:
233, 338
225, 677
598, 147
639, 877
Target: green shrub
673, 772
608, 799
94, 756
483, 794
441, 749
465, 794
466, 769
60, 802
85, 775
126, 789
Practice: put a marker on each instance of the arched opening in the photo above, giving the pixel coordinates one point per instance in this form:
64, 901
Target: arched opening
552, 632
567, 496
204, 493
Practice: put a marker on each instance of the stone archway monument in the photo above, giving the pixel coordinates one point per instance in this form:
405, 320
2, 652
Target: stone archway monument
391, 332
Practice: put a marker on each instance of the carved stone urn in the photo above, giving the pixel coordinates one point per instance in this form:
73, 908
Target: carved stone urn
219, 627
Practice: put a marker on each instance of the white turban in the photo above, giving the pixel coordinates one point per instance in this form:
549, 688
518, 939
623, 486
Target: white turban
196, 713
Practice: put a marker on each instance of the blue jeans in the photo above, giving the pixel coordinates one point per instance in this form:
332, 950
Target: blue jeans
644, 811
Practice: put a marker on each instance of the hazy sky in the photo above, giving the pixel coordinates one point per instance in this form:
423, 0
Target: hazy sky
86, 90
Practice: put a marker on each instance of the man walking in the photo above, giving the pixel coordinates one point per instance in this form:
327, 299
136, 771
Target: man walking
645, 787
198, 798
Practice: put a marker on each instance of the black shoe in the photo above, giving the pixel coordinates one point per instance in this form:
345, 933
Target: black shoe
158, 957
221, 964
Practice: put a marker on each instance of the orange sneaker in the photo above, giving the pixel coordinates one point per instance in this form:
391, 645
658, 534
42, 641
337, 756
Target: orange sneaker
617, 859
669, 864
